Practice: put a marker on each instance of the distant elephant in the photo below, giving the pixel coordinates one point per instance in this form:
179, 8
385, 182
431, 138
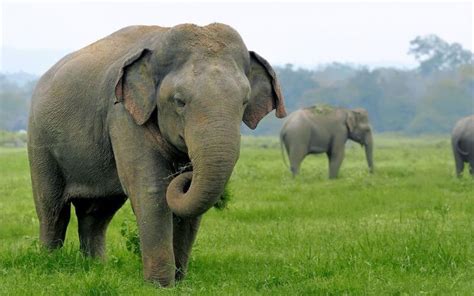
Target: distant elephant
147, 113
462, 141
326, 129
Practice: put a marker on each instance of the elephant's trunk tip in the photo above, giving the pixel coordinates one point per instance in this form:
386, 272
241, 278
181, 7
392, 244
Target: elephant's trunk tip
176, 194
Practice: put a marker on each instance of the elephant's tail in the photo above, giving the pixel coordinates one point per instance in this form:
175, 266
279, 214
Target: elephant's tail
283, 149
462, 152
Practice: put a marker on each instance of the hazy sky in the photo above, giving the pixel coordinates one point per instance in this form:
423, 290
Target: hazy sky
305, 34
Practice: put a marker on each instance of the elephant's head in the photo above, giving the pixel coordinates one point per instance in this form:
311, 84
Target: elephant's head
358, 125
202, 82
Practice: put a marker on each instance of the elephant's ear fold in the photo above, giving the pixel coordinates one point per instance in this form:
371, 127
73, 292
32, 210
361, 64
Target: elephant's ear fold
265, 92
350, 121
135, 87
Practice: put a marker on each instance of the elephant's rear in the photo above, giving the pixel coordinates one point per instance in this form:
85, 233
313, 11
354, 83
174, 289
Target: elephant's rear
295, 136
462, 137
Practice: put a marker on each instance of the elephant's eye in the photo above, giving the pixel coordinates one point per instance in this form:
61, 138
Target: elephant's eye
180, 103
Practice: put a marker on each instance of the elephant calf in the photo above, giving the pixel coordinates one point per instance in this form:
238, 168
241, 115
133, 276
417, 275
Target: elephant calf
462, 141
326, 129
121, 117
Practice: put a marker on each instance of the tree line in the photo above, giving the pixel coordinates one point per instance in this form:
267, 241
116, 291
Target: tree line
427, 99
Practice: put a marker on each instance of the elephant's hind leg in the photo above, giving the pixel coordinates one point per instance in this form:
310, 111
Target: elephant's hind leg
93, 216
296, 156
459, 162
52, 207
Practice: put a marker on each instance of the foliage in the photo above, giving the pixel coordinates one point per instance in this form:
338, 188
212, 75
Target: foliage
129, 231
405, 230
14, 104
224, 199
12, 139
322, 109
435, 54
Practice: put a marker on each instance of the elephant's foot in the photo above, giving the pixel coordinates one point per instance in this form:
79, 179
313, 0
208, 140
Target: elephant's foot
162, 275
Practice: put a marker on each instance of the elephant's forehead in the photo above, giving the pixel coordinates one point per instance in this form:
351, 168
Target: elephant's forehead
212, 39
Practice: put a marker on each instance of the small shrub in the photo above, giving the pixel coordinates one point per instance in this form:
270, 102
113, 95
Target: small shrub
129, 231
221, 204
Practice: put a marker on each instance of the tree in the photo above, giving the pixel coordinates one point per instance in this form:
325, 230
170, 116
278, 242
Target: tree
14, 103
296, 83
435, 54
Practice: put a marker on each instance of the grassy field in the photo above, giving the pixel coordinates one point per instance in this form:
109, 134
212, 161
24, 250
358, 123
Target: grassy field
407, 229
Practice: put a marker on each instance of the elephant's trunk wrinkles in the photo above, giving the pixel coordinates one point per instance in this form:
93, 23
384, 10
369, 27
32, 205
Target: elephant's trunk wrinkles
213, 150
369, 148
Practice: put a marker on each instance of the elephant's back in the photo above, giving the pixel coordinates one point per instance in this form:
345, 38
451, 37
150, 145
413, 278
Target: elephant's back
464, 127
90, 63
295, 121
116, 45
76, 92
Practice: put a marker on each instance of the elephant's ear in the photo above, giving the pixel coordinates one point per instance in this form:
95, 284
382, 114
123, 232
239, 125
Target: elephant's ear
350, 120
136, 86
265, 92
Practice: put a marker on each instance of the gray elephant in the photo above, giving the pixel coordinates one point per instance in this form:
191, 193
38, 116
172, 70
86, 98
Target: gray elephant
462, 141
319, 129
120, 119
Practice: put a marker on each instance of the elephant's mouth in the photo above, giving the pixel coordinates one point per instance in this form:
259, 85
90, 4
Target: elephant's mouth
182, 169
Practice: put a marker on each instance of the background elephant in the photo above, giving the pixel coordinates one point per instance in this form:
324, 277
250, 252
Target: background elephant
462, 141
321, 129
122, 116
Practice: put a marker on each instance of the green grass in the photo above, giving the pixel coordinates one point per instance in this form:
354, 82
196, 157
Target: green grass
407, 229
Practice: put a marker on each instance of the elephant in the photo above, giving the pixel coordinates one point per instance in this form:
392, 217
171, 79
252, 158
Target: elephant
151, 114
318, 129
462, 142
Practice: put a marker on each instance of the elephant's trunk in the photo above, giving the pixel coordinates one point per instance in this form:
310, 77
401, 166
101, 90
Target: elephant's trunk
213, 150
369, 148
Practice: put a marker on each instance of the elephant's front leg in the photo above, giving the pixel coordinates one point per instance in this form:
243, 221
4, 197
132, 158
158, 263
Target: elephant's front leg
184, 235
144, 175
155, 225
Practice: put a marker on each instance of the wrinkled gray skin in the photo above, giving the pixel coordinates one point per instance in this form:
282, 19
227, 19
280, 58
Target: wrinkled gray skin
309, 132
118, 118
462, 141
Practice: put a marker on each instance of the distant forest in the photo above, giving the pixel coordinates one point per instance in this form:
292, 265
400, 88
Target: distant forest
427, 99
